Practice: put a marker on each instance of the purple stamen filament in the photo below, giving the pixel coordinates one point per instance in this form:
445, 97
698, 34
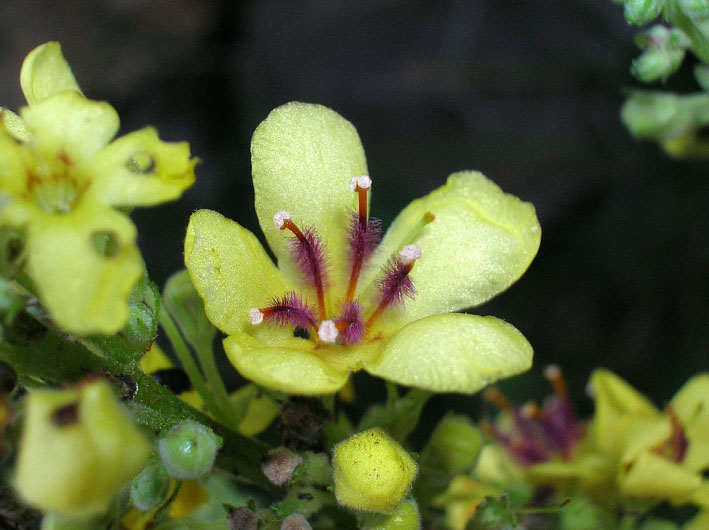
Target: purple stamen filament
358, 257
317, 274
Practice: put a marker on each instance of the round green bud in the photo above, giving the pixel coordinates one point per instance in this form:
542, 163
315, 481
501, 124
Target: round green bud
149, 487
640, 12
454, 446
657, 64
188, 450
372, 472
404, 517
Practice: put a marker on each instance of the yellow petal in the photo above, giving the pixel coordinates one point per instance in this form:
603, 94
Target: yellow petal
85, 290
284, 368
45, 72
453, 353
656, 477
691, 405
69, 127
14, 125
139, 169
229, 269
303, 158
481, 241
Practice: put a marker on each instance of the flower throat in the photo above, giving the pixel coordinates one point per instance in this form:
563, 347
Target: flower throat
309, 254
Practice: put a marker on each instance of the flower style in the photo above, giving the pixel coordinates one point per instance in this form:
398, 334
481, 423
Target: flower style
339, 301
659, 454
62, 181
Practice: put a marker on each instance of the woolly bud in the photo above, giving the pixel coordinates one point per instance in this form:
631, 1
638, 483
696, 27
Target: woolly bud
278, 466
295, 521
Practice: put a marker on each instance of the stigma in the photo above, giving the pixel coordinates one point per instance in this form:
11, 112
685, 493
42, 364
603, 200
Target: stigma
350, 323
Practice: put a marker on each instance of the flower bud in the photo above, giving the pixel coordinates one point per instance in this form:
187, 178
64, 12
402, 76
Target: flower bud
655, 115
188, 450
278, 466
77, 450
453, 447
404, 517
657, 64
242, 518
52, 521
295, 521
695, 9
640, 12
372, 472
149, 488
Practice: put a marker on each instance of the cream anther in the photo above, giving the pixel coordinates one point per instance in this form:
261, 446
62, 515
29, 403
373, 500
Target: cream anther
362, 182
328, 331
552, 372
280, 218
256, 316
410, 253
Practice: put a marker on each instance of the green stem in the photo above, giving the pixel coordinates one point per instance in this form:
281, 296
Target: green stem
205, 354
189, 365
700, 44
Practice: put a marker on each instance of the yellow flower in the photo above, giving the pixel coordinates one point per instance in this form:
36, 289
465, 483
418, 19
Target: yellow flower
62, 180
659, 455
71, 459
362, 306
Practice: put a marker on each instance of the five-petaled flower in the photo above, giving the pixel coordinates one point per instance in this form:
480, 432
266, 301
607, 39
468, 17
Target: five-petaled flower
340, 300
61, 182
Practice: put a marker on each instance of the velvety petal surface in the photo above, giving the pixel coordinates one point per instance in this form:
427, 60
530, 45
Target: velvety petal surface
453, 353
14, 125
229, 269
69, 127
45, 72
291, 367
139, 169
303, 157
84, 264
654, 476
480, 242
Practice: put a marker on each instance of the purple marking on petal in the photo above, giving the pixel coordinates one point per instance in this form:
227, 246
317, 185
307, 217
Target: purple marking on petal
309, 254
290, 309
353, 333
396, 283
362, 242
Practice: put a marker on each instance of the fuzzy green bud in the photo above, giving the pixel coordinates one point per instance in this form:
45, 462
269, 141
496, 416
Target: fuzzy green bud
404, 517
372, 472
454, 446
640, 12
188, 450
149, 487
695, 9
655, 115
78, 448
657, 64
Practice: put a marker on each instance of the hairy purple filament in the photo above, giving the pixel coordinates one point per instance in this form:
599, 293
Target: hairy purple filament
290, 309
350, 324
362, 239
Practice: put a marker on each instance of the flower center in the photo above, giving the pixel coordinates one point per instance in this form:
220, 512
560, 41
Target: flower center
51, 181
309, 254
538, 433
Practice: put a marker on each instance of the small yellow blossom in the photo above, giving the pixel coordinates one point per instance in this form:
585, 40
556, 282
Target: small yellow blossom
71, 458
62, 180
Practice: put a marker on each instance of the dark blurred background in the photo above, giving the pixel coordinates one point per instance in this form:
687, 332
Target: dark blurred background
526, 91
